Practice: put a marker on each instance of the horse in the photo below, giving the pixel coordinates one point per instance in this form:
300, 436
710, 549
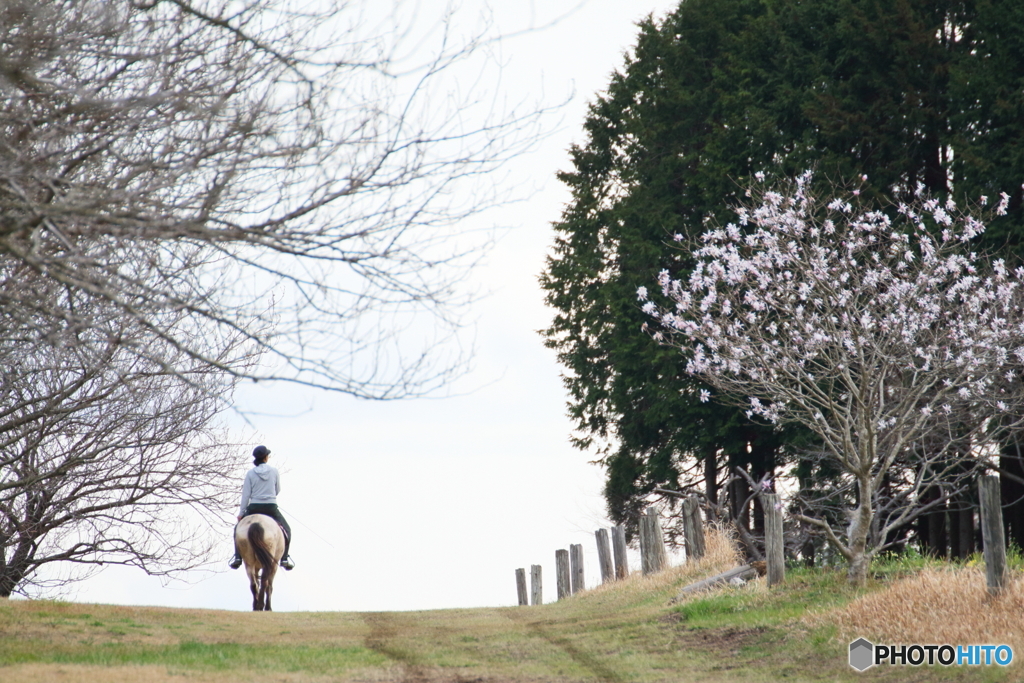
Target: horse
261, 545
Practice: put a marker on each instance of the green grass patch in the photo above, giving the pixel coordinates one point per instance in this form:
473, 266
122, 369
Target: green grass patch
204, 657
625, 633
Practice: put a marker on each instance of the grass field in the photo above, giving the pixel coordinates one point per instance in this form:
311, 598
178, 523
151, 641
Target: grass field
624, 632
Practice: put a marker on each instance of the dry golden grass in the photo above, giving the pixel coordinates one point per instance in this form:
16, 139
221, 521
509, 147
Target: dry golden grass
940, 606
721, 554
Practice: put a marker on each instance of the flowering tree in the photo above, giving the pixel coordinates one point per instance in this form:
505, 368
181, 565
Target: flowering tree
899, 348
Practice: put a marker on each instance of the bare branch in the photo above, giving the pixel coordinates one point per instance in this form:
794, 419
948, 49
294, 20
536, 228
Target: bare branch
307, 189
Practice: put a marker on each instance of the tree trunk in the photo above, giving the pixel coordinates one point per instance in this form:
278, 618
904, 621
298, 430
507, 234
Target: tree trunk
932, 525
738, 493
1012, 493
857, 573
966, 519
762, 464
711, 478
860, 527
937, 541
961, 527
807, 552
954, 532
758, 510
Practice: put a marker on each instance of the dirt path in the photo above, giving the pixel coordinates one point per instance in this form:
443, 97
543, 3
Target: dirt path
381, 639
385, 632
585, 659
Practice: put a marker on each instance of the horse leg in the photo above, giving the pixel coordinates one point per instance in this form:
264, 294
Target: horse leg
256, 602
264, 595
270, 585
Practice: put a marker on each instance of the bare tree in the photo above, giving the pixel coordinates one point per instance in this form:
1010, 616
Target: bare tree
273, 173
106, 457
189, 187
884, 336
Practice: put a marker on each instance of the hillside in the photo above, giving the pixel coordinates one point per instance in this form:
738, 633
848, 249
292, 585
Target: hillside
624, 632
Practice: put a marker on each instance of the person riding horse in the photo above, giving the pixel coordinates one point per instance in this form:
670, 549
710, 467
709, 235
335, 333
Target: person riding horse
259, 497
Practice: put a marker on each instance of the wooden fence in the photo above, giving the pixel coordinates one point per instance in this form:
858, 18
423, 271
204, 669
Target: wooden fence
653, 557
992, 538
612, 559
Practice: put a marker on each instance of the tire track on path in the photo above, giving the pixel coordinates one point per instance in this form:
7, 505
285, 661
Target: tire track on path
588, 661
383, 629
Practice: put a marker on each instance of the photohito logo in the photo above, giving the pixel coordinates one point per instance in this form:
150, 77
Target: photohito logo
864, 654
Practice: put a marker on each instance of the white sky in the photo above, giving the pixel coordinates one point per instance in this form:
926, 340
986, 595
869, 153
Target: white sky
434, 503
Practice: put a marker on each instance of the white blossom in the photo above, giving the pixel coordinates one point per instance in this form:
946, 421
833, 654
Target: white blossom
803, 295
1004, 201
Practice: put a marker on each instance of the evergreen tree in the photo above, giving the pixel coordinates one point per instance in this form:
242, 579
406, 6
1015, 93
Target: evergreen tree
664, 145
910, 93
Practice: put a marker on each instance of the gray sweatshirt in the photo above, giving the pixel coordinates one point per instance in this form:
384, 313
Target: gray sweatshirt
262, 484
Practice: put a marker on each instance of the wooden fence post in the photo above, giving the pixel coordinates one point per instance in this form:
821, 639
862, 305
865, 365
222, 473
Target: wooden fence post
521, 586
694, 529
536, 588
619, 548
652, 544
604, 556
562, 573
576, 567
774, 540
994, 543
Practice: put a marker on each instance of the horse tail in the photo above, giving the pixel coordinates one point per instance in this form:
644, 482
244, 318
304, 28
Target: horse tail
260, 547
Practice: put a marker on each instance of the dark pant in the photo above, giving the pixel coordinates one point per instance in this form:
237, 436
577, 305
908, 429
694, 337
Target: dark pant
270, 510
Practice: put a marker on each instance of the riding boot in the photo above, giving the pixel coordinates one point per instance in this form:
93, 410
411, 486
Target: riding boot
236, 560
286, 561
